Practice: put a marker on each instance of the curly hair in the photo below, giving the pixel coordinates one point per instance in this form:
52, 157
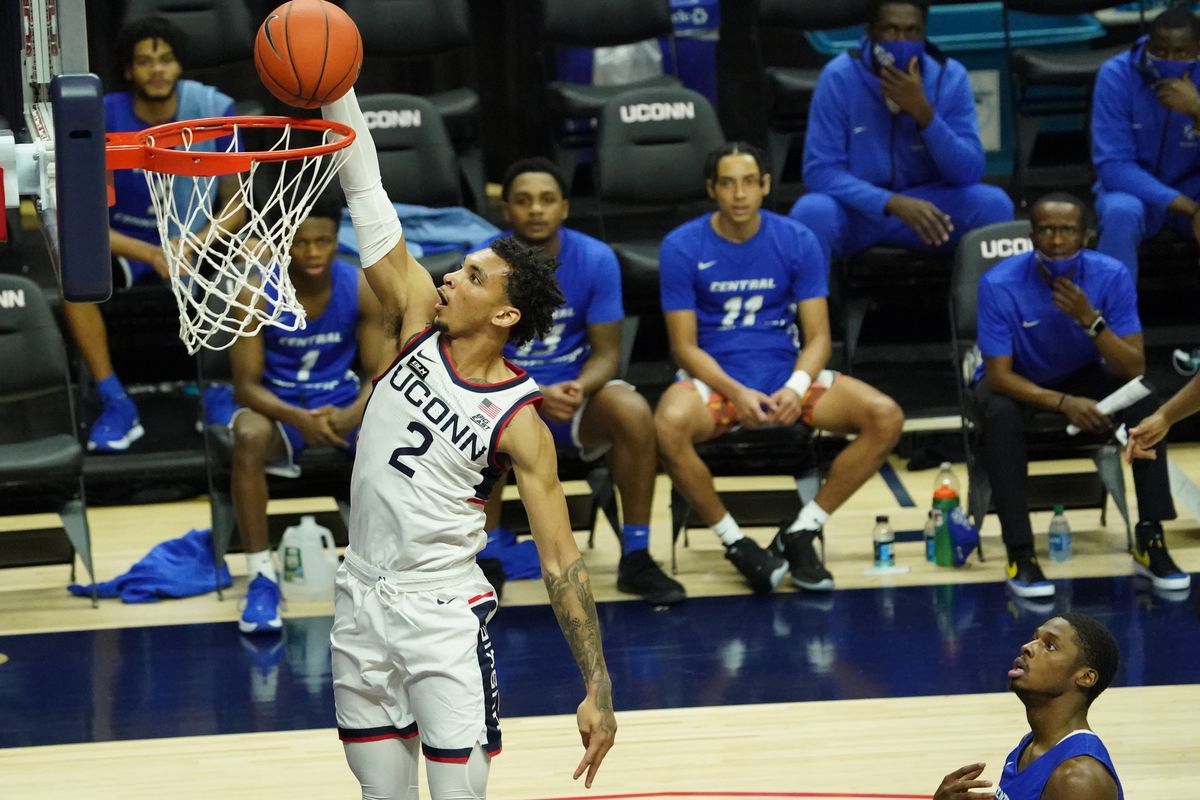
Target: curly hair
1098, 649
157, 28
532, 288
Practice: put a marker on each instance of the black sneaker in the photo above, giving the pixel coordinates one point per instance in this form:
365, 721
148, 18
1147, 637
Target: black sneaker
637, 573
1151, 559
762, 569
1026, 579
799, 548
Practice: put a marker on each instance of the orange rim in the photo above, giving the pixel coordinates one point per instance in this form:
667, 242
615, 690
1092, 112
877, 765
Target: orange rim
135, 150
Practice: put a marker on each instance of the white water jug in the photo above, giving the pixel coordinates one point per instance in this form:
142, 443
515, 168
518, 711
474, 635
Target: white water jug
309, 560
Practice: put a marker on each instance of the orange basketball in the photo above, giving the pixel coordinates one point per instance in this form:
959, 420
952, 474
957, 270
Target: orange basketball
308, 53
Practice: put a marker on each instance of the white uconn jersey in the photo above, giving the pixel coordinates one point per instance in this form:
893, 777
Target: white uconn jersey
427, 461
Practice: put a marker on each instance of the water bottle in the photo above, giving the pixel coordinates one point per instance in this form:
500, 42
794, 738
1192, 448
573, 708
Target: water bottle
885, 543
1060, 536
945, 500
931, 525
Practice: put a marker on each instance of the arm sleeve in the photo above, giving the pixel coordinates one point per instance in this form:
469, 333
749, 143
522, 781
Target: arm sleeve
993, 334
1114, 149
605, 272
810, 273
826, 154
952, 137
1120, 305
675, 273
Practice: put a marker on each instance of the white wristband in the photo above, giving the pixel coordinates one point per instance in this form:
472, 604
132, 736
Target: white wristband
799, 383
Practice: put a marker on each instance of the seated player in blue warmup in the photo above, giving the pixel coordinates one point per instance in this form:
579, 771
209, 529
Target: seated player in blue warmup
1145, 112
1060, 672
735, 283
299, 388
1058, 330
587, 407
149, 52
892, 153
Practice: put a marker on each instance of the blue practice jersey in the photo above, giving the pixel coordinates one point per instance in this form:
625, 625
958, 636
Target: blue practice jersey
133, 213
1028, 783
744, 295
1017, 316
590, 280
314, 366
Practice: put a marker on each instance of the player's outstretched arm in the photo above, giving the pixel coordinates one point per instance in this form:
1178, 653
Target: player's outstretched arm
529, 445
404, 288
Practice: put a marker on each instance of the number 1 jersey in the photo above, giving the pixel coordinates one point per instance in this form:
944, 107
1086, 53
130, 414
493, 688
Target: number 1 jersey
427, 460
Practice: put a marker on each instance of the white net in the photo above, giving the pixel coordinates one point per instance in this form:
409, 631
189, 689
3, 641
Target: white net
228, 260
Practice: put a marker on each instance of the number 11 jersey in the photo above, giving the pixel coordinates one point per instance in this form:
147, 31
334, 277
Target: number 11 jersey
427, 460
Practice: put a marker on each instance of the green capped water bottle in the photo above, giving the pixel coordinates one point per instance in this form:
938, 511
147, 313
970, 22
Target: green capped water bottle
945, 500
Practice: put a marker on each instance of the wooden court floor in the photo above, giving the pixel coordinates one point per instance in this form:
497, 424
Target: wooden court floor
897, 746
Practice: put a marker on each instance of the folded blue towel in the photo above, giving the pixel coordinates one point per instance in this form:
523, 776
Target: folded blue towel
520, 559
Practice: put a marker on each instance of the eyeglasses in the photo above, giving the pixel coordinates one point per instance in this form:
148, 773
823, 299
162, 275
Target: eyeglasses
1049, 231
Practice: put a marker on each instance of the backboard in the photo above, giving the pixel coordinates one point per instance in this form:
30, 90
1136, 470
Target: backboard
53, 153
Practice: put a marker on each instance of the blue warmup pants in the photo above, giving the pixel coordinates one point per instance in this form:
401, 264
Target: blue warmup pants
844, 231
1126, 222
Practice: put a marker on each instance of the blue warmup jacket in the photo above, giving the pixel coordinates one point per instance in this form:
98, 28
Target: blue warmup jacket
860, 153
1138, 145
175, 568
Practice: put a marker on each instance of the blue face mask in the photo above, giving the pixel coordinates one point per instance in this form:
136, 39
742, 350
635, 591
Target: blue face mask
1054, 268
897, 54
1165, 68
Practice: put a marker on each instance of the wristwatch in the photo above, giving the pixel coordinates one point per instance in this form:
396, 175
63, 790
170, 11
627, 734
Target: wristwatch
1097, 327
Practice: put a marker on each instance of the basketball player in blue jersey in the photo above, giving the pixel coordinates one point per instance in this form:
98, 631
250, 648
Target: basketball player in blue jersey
735, 283
586, 406
413, 665
1070, 660
149, 52
299, 388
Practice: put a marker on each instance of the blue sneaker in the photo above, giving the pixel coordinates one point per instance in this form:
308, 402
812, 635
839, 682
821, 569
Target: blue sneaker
218, 405
116, 428
261, 611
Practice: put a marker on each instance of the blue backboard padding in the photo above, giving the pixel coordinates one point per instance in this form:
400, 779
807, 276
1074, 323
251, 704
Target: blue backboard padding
82, 197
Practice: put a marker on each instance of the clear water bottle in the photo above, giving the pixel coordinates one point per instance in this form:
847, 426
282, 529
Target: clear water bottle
1060, 536
885, 543
931, 525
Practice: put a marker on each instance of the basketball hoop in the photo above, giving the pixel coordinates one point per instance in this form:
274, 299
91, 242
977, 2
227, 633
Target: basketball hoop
231, 283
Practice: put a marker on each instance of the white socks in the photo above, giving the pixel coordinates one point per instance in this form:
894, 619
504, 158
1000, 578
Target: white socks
811, 518
727, 530
260, 564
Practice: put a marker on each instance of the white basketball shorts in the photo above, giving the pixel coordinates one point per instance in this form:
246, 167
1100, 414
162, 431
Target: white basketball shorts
415, 660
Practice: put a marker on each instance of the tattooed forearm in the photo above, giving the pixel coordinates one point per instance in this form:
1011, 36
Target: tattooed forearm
571, 597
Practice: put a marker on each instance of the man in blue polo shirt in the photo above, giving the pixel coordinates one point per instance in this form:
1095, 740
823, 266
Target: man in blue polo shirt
149, 52
741, 288
892, 154
1145, 114
1058, 329
586, 406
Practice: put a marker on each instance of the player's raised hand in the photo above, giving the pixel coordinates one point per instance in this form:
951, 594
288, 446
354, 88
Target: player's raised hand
597, 730
958, 784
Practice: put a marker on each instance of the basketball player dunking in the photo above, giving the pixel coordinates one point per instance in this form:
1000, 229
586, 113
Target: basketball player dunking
1069, 661
411, 653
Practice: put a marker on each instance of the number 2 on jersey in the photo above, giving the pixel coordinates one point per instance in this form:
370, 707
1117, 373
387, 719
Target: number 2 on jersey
416, 450
736, 305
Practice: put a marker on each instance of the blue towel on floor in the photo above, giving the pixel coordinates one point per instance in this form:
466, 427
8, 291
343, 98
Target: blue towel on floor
520, 559
175, 568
